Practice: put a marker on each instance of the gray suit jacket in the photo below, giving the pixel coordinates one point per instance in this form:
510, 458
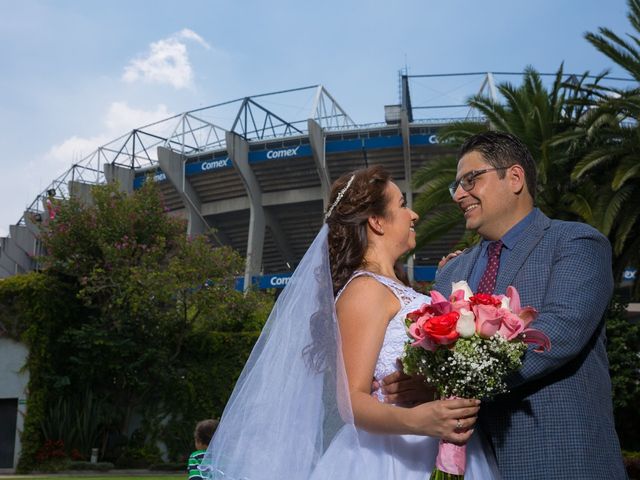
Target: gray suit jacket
557, 420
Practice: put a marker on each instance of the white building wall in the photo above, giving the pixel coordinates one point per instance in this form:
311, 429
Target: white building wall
13, 382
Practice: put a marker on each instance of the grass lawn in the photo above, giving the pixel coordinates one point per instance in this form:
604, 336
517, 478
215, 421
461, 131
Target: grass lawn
106, 476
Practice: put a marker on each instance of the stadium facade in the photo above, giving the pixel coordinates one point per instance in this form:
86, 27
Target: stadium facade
260, 181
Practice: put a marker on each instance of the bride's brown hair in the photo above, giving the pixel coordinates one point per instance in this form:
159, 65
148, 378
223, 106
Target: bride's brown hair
348, 219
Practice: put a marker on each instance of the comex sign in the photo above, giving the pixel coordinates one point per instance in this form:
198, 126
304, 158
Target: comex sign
280, 153
629, 274
289, 152
214, 164
277, 280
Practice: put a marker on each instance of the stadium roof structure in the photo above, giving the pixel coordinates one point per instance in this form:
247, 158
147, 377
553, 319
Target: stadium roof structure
257, 170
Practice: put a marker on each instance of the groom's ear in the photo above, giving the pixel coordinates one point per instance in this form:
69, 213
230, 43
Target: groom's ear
516, 178
375, 225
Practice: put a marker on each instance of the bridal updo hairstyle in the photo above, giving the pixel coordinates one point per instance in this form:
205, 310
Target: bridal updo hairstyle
348, 220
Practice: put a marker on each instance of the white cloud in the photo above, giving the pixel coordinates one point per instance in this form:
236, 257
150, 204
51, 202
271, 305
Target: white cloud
119, 119
188, 34
167, 61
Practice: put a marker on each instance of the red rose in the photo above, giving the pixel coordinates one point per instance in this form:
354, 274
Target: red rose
485, 299
442, 329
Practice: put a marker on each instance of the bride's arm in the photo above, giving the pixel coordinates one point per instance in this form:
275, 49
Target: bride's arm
364, 310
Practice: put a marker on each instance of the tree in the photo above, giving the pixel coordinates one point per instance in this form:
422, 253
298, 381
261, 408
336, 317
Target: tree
609, 140
146, 291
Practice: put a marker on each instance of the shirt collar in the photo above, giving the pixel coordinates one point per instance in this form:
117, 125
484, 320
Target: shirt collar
510, 238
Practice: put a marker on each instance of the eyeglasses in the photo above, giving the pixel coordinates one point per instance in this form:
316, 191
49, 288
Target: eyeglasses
468, 181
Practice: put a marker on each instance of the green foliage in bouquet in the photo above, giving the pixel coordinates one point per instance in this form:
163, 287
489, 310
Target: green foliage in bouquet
475, 368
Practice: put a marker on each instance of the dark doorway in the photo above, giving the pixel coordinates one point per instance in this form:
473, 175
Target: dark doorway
8, 418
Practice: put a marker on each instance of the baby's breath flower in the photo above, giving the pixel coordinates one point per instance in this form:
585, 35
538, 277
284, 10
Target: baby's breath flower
476, 368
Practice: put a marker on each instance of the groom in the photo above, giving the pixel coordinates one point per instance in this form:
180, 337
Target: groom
557, 420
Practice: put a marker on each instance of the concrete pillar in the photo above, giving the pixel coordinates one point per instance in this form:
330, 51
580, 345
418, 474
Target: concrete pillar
122, 175
7, 266
25, 239
238, 150
14, 257
172, 164
317, 140
81, 191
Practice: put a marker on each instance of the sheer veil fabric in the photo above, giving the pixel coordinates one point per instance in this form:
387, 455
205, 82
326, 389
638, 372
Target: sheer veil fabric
291, 399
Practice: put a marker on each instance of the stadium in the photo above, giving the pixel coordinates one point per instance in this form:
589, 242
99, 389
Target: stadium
256, 170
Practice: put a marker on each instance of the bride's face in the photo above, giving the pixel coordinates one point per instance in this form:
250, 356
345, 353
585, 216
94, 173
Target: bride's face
399, 221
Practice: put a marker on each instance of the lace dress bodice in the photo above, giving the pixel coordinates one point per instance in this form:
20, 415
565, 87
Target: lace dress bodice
396, 335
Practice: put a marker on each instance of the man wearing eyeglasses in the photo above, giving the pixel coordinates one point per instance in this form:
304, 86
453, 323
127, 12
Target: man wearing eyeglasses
557, 420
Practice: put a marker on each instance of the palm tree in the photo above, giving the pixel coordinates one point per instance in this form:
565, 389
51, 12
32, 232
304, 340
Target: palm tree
609, 138
534, 114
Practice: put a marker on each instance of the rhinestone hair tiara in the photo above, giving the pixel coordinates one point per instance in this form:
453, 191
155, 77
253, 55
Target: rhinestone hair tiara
339, 197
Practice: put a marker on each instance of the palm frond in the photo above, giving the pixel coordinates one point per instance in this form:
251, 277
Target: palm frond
438, 224
580, 206
627, 229
634, 14
628, 167
616, 49
614, 205
589, 162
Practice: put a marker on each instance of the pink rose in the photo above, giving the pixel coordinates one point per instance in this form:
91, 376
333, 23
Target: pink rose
488, 320
416, 330
416, 314
512, 325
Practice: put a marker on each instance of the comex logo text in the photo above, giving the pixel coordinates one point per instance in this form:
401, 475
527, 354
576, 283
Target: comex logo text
279, 281
289, 152
215, 164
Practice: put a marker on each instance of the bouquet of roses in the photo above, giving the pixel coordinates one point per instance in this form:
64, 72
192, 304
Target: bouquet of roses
466, 345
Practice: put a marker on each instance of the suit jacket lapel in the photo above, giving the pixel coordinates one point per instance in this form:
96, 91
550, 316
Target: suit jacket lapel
526, 243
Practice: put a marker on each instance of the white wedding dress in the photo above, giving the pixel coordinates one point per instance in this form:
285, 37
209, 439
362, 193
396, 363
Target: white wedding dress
401, 457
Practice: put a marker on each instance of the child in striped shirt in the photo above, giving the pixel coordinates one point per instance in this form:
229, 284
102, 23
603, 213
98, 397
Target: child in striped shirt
202, 436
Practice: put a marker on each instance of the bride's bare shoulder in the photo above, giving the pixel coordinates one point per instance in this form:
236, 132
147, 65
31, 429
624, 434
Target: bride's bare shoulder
366, 293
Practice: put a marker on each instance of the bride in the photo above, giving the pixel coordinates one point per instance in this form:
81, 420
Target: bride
303, 407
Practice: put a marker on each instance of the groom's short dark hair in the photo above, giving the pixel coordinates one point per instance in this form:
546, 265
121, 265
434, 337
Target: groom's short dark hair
501, 149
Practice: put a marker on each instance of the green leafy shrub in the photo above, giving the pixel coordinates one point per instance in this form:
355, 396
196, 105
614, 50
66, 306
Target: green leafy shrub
132, 310
632, 464
623, 349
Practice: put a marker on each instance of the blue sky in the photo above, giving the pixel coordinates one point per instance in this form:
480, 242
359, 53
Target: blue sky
76, 74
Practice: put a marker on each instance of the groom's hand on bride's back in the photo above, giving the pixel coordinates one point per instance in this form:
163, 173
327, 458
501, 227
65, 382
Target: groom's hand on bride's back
404, 390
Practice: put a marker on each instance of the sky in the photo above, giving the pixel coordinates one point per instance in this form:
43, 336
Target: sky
76, 74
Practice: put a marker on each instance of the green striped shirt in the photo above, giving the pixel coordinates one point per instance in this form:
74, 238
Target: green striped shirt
195, 459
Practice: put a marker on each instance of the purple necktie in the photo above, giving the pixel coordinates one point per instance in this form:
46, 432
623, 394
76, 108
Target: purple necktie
488, 280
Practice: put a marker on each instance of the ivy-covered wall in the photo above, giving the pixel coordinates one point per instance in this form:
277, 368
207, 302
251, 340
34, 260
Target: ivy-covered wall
33, 309
41, 311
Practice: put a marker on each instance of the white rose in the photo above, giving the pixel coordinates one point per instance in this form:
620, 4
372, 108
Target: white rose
505, 302
466, 325
464, 286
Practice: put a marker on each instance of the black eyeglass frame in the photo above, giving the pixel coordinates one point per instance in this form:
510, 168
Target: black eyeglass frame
468, 180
